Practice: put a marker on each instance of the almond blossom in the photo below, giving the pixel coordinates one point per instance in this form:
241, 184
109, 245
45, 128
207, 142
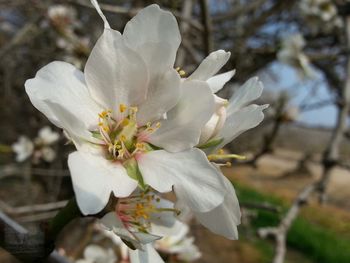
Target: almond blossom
39, 149
230, 119
292, 54
120, 114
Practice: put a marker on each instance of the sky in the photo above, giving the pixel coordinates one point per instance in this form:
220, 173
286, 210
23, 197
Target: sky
287, 79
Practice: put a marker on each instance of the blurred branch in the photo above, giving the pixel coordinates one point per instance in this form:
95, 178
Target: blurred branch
262, 206
8, 170
206, 21
32, 208
243, 9
133, 11
271, 137
280, 232
28, 31
184, 27
331, 154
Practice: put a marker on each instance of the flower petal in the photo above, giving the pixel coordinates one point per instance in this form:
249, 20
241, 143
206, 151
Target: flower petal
211, 65
95, 178
223, 220
181, 130
196, 181
217, 82
153, 25
249, 91
63, 84
147, 255
115, 74
163, 94
240, 121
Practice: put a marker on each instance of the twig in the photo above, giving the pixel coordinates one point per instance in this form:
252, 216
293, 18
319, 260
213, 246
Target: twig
8, 170
184, 27
12, 224
206, 20
32, 208
280, 232
133, 11
331, 155
263, 206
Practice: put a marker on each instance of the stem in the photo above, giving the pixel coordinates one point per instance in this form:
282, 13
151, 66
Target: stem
64, 216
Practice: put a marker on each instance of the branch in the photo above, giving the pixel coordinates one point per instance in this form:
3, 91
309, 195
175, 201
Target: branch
280, 232
133, 11
206, 20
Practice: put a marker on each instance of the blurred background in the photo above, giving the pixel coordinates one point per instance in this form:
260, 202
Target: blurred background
294, 184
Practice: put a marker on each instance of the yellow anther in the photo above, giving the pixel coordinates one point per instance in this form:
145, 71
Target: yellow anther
125, 122
158, 124
228, 164
122, 108
221, 151
182, 73
122, 138
178, 69
106, 128
100, 124
148, 124
140, 146
134, 109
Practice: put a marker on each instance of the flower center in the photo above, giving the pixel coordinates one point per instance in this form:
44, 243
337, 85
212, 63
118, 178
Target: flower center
123, 139
136, 211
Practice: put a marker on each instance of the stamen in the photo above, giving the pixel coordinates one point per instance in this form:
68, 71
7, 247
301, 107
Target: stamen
122, 108
221, 155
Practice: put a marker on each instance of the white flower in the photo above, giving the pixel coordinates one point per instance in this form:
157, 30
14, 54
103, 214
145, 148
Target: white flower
97, 254
62, 16
132, 120
230, 119
23, 148
179, 244
324, 9
293, 55
142, 218
320, 15
46, 136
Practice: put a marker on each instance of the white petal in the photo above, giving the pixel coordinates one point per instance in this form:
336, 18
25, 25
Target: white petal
223, 220
217, 82
63, 84
47, 135
153, 25
75, 128
163, 94
114, 73
196, 182
94, 252
147, 255
211, 65
241, 121
23, 148
99, 11
181, 130
94, 178
249, 91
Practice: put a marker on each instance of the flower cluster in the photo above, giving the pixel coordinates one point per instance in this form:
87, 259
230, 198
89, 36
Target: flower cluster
292, 54
177, 245
38, 149
320, 15
64, 20
142, 129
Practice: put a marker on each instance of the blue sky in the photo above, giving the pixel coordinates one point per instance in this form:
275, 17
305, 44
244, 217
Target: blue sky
287, 79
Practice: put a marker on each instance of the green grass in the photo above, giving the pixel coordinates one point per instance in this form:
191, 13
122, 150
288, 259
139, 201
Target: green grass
319, 244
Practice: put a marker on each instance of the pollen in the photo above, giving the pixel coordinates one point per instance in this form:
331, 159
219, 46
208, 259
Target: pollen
122, 108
